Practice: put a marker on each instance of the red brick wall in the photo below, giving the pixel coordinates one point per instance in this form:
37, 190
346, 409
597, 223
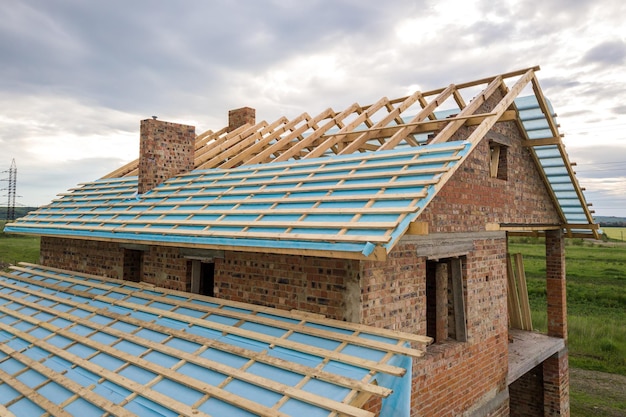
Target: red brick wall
455, 376
556, 284
556, 385
394, 292
317, 285
526, 394
91, 257
162, 266
165, 267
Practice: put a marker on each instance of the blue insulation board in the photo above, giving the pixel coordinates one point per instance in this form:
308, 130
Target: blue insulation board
148, 344
370, 197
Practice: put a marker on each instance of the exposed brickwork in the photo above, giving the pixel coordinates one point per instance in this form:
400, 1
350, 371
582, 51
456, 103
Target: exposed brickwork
165, 149
555, 281
394, 292
317, 285
526, 394
556, 385
445, 381
165, 267
91, 257
472, 198
454, 378
239, 117
162, 266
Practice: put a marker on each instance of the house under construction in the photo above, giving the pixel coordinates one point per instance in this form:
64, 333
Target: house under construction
351, 263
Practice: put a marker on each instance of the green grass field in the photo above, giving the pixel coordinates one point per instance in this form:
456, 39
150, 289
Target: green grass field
596, 302
615, 233
15, 248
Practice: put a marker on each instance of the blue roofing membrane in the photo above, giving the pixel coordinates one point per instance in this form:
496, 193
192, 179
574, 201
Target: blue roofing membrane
552, 162
81, 345
351, 203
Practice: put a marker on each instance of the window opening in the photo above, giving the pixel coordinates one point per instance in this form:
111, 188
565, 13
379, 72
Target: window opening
498, 161
203, 278
133, 260
445, 301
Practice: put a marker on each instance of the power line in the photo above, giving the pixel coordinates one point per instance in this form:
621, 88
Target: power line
11, 191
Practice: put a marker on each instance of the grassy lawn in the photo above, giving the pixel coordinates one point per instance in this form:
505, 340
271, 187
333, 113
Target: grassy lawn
615, 233
15, 248
596, 302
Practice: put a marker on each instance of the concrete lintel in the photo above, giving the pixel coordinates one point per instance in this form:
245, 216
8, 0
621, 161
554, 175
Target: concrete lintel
449, 245
135, 246
201, 254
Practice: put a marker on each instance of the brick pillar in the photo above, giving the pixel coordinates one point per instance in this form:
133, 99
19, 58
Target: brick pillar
165, 149
239, 117
555, 281
441, 288
556, 368
556, 385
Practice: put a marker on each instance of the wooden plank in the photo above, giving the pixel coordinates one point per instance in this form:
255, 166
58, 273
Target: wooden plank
513, 303
337, 120
286, 141
331, 140
5, 412
523, 293
357, 143
258, 147
230, 139
494, 161
417, 228
243, 144
303, 224
208, 233
542, 142
441, 303
447, 132
458, 300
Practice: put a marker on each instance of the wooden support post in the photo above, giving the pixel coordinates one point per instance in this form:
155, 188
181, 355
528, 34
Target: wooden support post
456, 273
515, 315
522, 290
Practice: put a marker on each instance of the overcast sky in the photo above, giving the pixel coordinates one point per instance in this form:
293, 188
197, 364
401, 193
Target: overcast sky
77, 76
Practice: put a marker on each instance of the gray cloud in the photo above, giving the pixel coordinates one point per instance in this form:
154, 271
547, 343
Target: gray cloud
608, 52
89, 71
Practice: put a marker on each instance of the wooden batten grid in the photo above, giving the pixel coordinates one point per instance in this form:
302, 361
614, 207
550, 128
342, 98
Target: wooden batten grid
54, 286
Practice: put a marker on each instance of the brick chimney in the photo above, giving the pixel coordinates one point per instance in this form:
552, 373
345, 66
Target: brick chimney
165, 149
239, 117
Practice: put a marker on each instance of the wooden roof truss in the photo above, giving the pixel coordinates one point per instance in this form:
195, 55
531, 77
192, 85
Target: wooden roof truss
384, 125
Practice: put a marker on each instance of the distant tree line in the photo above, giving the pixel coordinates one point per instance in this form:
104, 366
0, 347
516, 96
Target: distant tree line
19, 212
610, 221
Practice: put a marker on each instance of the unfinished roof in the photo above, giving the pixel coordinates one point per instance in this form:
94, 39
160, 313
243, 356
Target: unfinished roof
76, 344
350, 204
345, 184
